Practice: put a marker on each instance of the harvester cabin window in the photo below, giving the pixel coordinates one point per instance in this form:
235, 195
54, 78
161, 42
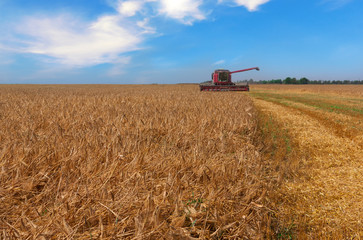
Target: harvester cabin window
223, 76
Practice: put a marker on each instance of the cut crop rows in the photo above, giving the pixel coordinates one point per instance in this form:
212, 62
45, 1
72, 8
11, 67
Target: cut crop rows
323, 199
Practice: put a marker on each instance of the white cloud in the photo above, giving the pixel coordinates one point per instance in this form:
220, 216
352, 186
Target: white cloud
108, 39
82, 44
144, 25
129, 8
186, 11
75, 43
251, 5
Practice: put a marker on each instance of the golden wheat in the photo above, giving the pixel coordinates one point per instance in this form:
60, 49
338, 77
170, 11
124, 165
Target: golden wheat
142, 162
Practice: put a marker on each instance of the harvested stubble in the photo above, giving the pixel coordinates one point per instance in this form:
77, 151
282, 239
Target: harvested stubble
328, 89
324, 200
128, 162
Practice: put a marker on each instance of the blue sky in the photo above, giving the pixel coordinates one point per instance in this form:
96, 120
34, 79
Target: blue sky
171, 41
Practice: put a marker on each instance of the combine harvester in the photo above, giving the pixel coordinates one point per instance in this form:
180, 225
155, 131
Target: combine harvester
222, 81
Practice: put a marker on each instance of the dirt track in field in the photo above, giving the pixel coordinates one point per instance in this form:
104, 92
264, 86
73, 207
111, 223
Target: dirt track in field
326, 198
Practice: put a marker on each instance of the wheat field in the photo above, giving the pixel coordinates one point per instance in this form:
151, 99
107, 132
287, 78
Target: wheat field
170, 162
129, 162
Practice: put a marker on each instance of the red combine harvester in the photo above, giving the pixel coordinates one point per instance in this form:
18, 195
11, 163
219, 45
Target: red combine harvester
222, 81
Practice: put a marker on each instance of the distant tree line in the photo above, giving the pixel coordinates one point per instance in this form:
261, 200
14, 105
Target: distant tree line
304, 80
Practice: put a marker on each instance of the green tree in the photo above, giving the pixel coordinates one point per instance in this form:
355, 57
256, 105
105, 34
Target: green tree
304, 80
287, 80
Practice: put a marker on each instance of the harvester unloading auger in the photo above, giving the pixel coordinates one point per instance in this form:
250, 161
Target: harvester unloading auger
222, 81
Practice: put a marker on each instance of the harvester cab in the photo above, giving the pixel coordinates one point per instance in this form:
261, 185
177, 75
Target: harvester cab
222, 81
221, 77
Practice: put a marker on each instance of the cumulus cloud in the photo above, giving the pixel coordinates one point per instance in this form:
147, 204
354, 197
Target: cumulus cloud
130, 8
108, 39
81, 44
186, 11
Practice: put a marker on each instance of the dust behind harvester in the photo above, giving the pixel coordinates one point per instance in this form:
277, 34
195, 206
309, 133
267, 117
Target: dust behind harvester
222, 81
